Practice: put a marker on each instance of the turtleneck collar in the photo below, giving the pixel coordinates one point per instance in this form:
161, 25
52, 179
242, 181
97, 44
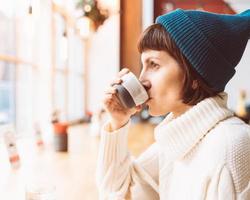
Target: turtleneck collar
177, 136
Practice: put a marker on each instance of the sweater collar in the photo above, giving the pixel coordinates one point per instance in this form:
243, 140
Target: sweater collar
178, 136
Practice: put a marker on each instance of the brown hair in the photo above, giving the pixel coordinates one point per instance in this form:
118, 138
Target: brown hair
155, 37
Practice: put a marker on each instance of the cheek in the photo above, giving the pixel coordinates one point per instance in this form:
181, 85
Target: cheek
167, 87
174, 82
166, 98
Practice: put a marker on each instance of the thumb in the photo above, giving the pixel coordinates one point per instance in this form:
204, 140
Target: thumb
138, 108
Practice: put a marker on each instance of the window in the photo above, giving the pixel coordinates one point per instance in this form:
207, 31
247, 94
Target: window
25, 101
41, 66
7, 35
68, 80
76, 77
7, 92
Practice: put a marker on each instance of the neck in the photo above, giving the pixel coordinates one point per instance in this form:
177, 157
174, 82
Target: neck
178, 112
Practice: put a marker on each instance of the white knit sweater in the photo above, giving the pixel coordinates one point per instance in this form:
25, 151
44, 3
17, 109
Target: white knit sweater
203, 154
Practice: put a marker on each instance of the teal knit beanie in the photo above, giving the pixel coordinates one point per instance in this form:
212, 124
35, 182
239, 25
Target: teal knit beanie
212, 43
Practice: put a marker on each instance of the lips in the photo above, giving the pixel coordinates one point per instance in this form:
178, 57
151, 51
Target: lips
148, 100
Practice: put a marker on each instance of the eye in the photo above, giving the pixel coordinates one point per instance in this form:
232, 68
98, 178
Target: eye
153, 64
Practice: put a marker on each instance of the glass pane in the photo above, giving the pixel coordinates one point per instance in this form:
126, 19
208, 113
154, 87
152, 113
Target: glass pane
24, 100
60, 93
76, 53
76, 100
61, 42
79, 98
7, 35
25, 35
7, 92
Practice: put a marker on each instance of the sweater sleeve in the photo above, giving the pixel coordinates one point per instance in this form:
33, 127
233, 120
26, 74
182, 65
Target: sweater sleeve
226, 187
236, 173
119, 174
231, 179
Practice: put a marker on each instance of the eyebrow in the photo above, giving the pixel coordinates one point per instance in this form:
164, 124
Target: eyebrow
148, 59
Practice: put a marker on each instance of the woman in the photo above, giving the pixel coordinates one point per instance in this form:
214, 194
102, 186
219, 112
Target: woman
201, 150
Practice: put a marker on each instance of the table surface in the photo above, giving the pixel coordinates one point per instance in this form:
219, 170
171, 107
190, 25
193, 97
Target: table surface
72, 172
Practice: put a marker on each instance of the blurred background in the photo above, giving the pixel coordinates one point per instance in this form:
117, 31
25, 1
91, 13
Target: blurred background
56, 59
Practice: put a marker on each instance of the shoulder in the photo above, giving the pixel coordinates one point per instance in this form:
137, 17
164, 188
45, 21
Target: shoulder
236, 138
232, 130
230, 134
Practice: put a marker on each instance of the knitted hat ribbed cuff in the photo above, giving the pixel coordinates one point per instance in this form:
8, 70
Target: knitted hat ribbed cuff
197, 49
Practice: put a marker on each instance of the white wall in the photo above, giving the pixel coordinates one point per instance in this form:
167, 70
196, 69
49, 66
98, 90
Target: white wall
103, 60
147, 13
241, 79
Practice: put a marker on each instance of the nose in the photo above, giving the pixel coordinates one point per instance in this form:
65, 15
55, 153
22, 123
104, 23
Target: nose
144, 81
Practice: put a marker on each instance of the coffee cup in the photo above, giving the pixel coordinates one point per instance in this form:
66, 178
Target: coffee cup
131, 92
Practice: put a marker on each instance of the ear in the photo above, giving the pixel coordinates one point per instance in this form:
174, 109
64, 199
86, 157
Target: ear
195, 84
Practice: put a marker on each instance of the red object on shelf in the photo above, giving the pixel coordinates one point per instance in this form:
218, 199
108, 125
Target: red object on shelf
39, 142
14, 158
60, 128
61, 136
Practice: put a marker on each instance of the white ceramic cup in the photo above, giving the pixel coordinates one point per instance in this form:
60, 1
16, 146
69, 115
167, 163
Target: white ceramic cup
131, 92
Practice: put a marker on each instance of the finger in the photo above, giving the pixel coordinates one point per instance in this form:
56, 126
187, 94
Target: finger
107, 98
111, 99
117, 101
111, 103
138, 108
123, 72
116, 82
111, 90
114, 100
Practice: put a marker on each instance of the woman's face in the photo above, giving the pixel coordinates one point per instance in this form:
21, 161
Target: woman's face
164, 78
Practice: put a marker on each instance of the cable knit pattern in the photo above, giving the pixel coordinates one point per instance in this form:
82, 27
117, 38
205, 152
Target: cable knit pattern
202, 154
238, 157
